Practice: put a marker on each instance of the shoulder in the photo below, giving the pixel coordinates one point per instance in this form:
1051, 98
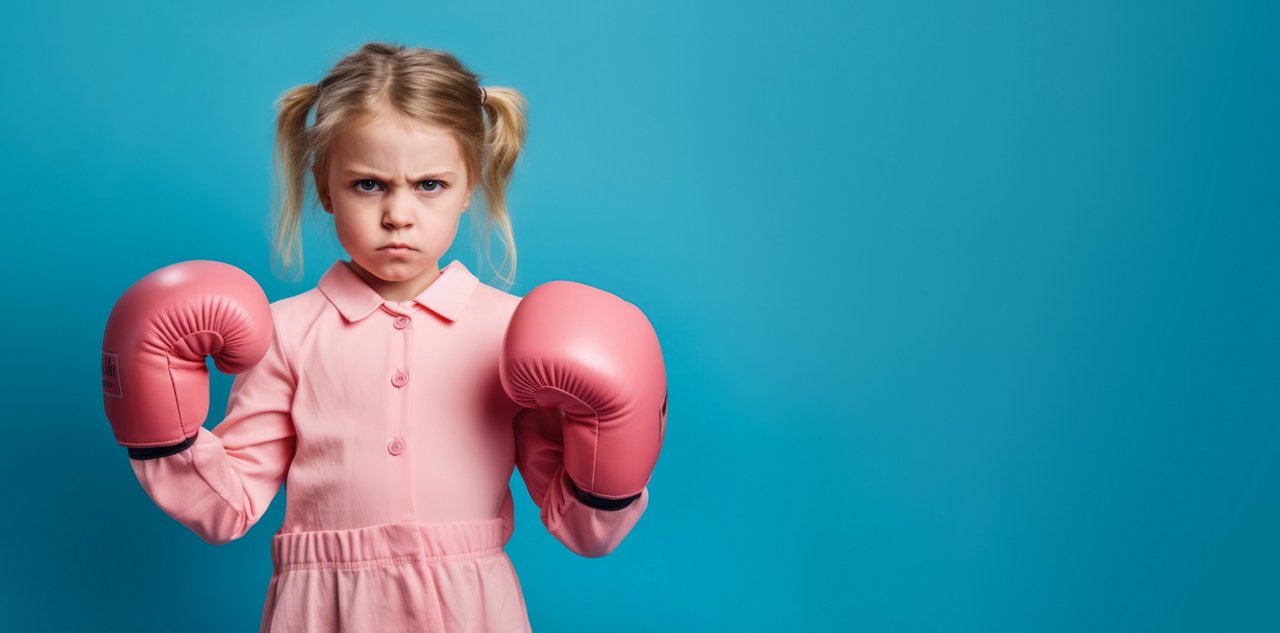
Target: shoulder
297, 317
301, 306
492, 302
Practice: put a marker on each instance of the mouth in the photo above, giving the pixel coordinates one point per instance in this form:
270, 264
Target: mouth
397, 246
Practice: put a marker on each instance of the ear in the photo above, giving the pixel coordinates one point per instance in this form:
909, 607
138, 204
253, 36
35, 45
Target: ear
322, 192
466, 202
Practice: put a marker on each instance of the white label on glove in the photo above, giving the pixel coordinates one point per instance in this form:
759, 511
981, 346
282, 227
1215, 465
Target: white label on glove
111, 375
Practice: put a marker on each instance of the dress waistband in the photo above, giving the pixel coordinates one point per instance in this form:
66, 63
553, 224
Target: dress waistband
389, 543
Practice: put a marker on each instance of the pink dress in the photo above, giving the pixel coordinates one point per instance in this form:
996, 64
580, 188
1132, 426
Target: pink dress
388, 424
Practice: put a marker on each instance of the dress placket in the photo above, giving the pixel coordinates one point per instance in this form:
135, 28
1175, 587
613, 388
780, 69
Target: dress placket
400, 447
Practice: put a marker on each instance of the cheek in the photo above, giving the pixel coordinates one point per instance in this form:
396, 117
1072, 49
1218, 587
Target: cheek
438, 233
351, 230
356, 232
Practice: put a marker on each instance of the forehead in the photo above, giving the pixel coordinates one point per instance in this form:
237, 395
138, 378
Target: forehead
396, 143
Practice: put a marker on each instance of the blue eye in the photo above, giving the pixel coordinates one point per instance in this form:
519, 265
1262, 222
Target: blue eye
439, 184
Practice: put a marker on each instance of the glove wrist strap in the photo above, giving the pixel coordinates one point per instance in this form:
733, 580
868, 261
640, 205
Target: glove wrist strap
601, 503
156, 452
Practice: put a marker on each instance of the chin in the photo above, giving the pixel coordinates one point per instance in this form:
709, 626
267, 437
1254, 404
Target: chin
394, 273
404, 270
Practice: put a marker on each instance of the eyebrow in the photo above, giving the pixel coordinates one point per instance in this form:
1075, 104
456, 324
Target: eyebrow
427, 176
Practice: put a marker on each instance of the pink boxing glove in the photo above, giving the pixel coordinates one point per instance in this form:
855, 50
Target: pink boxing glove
155, 385
597, 357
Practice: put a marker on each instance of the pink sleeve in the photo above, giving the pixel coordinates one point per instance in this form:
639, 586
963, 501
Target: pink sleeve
222, 484
585, 530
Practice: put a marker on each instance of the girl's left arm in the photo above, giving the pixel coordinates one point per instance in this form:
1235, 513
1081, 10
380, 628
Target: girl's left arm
586, 530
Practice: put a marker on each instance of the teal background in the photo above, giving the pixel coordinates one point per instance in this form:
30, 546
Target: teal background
969, 309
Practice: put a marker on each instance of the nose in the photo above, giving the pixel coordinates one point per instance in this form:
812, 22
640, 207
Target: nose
398, 213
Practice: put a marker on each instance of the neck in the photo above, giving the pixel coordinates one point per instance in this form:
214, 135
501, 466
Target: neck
403, 290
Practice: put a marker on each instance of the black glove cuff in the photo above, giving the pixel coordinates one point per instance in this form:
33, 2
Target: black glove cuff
156, 452
600, 503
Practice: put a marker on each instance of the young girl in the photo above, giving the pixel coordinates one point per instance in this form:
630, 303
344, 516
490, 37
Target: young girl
395, 398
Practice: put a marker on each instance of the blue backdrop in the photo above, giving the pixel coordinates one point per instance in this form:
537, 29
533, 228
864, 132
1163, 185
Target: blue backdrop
969, 309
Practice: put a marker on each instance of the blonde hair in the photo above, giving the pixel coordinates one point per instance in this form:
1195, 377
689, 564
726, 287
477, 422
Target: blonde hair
428, 86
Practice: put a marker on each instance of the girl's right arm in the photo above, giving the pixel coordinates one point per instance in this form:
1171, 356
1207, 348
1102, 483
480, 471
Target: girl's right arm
223, 483
155, 387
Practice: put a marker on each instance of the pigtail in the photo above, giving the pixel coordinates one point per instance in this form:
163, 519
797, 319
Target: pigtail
291, 155
504, 140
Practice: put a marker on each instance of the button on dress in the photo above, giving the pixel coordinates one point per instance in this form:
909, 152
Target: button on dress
388, 424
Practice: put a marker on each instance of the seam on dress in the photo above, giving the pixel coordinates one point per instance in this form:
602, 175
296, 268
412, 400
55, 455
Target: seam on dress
393, 560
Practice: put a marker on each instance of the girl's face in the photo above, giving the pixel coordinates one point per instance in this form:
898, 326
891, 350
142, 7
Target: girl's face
390, 182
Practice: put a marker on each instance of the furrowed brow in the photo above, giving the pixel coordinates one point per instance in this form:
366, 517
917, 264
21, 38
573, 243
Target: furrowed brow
373, 174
